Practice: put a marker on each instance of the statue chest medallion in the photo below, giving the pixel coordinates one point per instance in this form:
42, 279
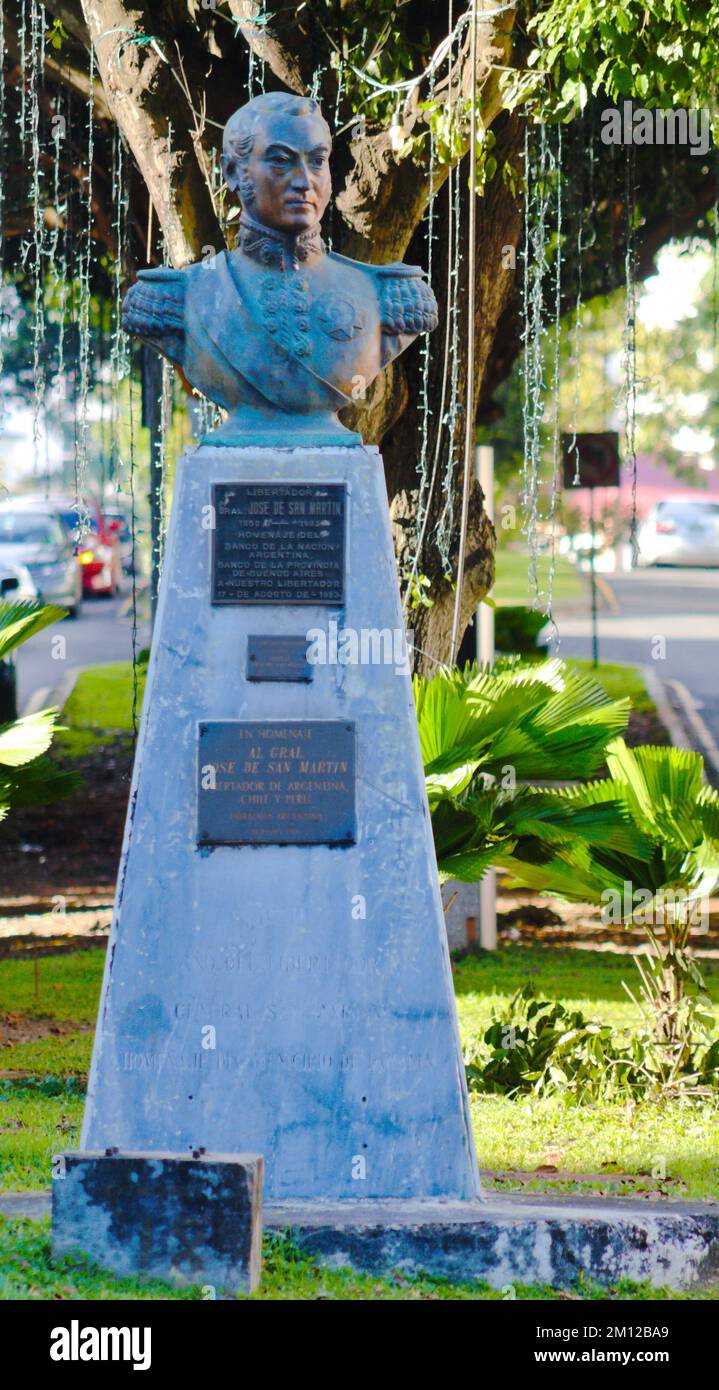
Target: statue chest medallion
340, 318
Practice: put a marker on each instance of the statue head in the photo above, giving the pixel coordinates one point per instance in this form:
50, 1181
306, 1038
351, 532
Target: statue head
275, 156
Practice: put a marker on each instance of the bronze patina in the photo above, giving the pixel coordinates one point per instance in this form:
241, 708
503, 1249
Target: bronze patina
280, 332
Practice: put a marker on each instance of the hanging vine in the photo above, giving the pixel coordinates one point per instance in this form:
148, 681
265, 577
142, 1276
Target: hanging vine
37, 69
629, 356
556, 439
535, 268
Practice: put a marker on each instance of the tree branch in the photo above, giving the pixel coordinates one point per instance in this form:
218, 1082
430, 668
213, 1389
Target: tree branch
385, 195
270, 42
146, 102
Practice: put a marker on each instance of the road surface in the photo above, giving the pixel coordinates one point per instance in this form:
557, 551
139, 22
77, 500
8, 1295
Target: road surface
102, 633
665, 619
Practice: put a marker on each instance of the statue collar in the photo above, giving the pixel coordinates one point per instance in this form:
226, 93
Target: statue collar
275, 248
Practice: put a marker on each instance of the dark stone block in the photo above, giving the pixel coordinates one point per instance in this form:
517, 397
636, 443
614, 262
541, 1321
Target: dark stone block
163, 1215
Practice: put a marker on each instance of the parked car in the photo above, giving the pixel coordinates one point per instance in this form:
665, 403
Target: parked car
32, 534
122, 521
15, 585
96, 544
680, 531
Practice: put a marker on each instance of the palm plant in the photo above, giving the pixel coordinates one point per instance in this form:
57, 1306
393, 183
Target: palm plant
485, 732
654, 859
547, 720
26, 776
645, 838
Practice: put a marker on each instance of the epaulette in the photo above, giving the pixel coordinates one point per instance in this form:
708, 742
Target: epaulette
407, 304
155, 304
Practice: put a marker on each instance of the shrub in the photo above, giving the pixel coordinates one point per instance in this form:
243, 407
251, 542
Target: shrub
540, 1046
516, 629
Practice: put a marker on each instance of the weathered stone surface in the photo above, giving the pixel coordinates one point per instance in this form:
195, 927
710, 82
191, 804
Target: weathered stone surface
513, 1239
291, 1000
165, 1216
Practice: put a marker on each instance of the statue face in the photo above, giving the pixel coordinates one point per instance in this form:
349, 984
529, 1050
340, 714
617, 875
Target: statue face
289, 171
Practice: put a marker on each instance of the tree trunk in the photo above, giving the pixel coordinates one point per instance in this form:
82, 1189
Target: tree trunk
499, 225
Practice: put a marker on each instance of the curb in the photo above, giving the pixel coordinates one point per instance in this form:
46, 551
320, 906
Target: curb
34, 1205
532, 1239
607, 593
657, 693
48, 696
126, 603
702, 734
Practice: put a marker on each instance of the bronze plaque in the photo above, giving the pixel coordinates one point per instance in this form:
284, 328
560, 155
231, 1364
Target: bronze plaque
281, 782
277, 658
278, 543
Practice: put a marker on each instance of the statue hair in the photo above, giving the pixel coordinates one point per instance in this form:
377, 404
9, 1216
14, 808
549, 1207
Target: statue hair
239, 134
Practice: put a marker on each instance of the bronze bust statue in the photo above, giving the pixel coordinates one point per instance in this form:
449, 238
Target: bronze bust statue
280, 332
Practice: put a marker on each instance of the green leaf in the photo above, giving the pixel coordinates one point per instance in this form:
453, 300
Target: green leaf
621, 79
18, 621
27, 738
35, 784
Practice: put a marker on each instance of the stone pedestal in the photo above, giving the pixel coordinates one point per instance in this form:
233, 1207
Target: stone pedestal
277, 976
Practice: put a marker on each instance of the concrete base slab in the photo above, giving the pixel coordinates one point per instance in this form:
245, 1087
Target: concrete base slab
190, 1220
35, 1206
513, 1239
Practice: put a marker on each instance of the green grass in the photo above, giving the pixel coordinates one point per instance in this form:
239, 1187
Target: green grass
99, 706
33, 1127
674, 1144
619, 681
65, 1055
68, 986
512, 585
102, 698
678, 1137
588, 980
671, 1149
28, 1273
68, 989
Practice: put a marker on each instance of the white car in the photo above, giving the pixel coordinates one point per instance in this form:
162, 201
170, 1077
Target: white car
16, 585
680, 531
32, 534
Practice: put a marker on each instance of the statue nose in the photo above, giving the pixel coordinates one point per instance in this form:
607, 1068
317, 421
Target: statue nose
301, 178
